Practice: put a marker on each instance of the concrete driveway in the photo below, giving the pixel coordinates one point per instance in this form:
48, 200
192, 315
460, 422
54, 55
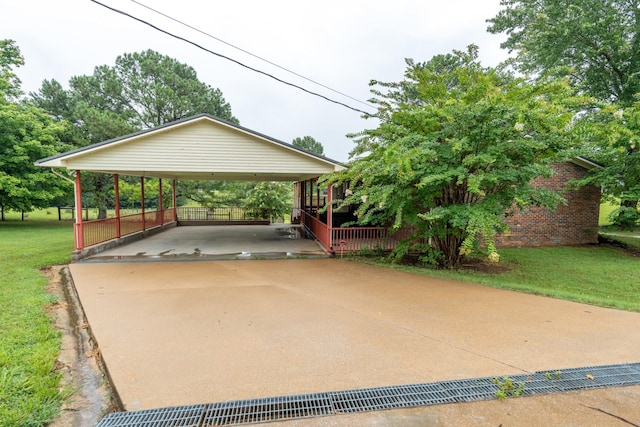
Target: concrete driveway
179, 333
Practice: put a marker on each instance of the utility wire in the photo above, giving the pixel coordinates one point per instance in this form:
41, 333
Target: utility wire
227, 58
251, 54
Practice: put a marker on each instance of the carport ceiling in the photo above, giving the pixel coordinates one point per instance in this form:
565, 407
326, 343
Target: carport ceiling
197, 148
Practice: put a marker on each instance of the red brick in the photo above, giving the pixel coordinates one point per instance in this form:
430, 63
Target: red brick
575, 223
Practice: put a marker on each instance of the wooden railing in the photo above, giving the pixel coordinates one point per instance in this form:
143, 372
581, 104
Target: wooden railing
318, 228
102, 230
130, 224
351, 239
224, 214
98, 231
332, 239
372, 238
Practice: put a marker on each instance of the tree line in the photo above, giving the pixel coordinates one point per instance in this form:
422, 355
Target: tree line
140, 91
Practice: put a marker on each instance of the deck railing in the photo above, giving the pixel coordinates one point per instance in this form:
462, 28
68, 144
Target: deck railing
358, 238
351, 239
333, 239
223, 214
102, 230
318, 228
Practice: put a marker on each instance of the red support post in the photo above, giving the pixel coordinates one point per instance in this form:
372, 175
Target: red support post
160, 203
175, 198
317, 199
142, 201
329, 216
307, 194
79, 232
116, 186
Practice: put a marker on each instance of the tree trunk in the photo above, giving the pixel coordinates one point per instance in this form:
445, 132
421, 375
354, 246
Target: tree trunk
101, 196
449, 246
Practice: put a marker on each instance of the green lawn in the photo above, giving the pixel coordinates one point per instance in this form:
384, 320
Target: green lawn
598, 275
605, 210
30, 392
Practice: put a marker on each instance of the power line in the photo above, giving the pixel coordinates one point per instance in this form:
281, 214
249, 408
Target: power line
227, 58
250, 53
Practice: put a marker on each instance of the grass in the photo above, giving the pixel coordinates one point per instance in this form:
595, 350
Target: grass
605, 210
601, 275
30, 393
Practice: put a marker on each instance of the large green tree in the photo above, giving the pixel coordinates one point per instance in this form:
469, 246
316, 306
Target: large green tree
612, 136
10, 58
595, 44
457, 145
140, 91
270, 200
310, 144
27, 134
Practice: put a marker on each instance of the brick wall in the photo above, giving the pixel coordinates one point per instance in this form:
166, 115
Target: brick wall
575, 223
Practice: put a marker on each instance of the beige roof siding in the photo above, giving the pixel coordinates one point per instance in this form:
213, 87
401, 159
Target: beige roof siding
202, 148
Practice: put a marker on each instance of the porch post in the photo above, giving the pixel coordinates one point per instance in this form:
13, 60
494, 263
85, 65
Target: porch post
174, 196
142, 202
329, 216
79, 233
317, 199
161, 207
116, 186
297, 202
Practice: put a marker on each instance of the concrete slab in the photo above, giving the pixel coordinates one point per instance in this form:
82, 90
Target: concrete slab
182, 333
219, 241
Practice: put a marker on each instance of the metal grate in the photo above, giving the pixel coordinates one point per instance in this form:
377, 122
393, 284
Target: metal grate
598, 377
372, 399
267, 409
179, 416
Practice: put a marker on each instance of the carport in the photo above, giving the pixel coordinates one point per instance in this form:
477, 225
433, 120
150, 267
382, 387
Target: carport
201, 147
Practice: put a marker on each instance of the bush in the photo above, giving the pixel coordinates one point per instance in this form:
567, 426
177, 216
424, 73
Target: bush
625, 217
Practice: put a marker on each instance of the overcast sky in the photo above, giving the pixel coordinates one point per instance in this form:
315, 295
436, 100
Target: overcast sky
342, 44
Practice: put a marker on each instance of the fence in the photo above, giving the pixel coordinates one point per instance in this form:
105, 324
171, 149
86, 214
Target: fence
333, 239
317, 228
357, 238
223, 214
102, 230
352, 239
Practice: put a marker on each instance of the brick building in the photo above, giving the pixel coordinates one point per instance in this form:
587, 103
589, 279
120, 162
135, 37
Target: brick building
573, 223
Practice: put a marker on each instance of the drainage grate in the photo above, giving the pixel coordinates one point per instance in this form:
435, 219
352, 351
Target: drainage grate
267, 409
598, 377
179, 416
372, 399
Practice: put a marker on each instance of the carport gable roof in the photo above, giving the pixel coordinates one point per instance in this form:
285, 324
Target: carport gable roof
201, 147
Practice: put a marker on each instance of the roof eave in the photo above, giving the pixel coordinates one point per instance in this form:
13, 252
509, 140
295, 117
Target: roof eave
585, 163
